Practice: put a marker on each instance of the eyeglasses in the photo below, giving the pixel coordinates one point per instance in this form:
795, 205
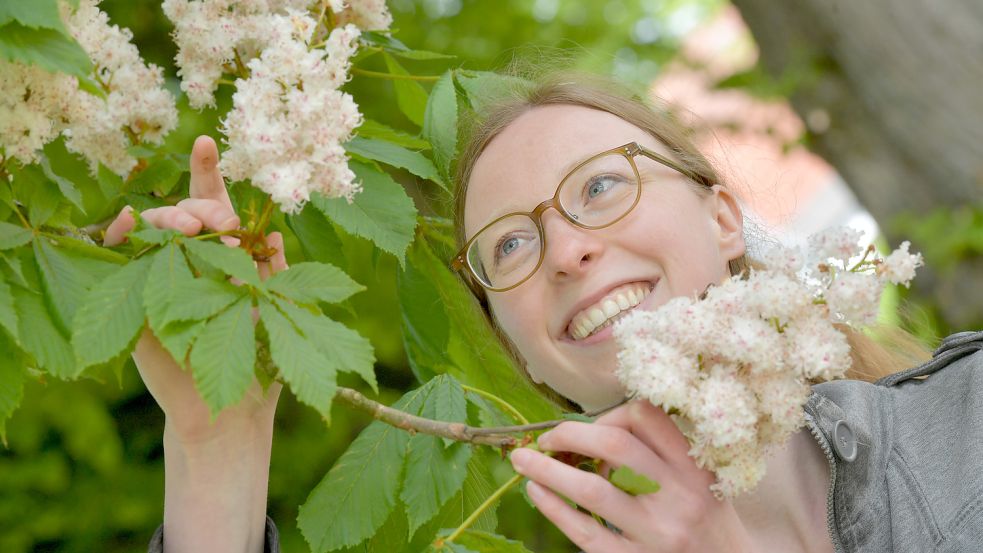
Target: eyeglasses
597, 193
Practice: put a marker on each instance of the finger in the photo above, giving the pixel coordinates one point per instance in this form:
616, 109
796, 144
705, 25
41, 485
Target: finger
278, 261
206, 180
214, 214
654, 428
582, 530
586, 489
172, 217
116, 231
614, 445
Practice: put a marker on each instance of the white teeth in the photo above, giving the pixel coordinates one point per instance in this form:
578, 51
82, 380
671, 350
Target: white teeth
607, 311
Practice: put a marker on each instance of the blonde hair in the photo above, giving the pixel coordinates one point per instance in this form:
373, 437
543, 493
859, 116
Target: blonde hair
871, 360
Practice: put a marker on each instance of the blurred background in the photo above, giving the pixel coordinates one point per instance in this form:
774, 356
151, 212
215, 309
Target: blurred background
818, 112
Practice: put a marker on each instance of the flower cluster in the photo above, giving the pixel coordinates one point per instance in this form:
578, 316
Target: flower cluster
35, 106
289, 119
734, 368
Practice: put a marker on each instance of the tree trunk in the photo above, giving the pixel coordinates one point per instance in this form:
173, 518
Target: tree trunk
900, 83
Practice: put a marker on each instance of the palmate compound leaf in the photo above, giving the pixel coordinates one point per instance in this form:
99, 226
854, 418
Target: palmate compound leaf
12, 236
381, 212
425, 324
435, 472
357, 496
39, 336
64, 282
223, 356
311, 282
46, 48
410, 96
200, 298
111, 315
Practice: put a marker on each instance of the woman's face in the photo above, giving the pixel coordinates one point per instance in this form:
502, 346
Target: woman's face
675, 242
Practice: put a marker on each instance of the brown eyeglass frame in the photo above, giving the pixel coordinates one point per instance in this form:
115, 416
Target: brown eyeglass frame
630, 150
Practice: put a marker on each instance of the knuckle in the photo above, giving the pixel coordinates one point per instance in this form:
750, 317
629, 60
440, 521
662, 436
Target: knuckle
594, 492
691, 508
616, 442
676, 538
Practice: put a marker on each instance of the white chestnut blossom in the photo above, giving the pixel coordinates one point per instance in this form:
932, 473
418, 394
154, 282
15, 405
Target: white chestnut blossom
288, 119
735, 367
35, 106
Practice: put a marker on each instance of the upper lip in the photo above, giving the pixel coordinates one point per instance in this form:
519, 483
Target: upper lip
596, 297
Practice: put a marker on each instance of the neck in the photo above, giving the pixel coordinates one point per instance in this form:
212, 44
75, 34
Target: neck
787, 511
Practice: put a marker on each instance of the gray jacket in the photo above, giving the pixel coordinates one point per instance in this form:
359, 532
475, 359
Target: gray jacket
905, 455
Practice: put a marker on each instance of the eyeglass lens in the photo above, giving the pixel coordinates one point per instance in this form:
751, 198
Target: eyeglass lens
594, 195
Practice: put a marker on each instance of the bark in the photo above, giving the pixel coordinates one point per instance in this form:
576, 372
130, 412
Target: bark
901, 83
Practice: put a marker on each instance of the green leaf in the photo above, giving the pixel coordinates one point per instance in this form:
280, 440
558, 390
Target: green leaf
312, 282
435, 472
13, 374
40, 337
12, 236
410, 95
46, 48
67, 187
359, 492
425, 324
234, 262
38, 193
381, 212
317, 236
200, 298
110, 184
474, 354
396, 156
373, 129
632, 482
310, 375
440, 123
36, 14
168, 276
160, 176
177, 337
422, 55
343, 349
8, 315
484, 88
64, 282
110, 315
223, 356
486, 542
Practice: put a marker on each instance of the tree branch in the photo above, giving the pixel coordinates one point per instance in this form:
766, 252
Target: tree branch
498, 436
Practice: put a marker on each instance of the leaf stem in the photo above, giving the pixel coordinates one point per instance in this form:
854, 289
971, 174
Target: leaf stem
508, 485
501, 402
380, 75
234, 232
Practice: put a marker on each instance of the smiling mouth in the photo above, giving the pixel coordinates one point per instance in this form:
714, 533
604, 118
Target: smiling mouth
612, 307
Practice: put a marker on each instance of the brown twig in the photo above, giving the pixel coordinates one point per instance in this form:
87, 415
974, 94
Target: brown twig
494, 436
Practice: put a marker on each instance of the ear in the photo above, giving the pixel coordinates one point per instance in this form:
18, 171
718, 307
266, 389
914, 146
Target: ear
729, 217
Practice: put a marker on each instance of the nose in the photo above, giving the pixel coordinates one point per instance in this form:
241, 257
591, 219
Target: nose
570, 251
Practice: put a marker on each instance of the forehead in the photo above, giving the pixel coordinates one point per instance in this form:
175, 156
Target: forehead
523, 164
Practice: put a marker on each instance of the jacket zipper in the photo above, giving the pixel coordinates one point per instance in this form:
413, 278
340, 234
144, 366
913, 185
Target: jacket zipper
824, 444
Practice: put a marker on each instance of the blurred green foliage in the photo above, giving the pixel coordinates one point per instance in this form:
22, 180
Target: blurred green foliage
83, 470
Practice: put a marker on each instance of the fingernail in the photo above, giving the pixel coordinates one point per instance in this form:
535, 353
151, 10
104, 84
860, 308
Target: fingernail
519, 457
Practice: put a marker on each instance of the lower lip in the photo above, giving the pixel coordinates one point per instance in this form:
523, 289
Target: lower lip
608, 331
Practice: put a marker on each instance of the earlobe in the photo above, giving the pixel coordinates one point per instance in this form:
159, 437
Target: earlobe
730, 222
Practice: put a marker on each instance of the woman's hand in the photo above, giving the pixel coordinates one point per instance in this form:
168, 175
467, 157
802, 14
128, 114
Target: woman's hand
209, 207
683, 516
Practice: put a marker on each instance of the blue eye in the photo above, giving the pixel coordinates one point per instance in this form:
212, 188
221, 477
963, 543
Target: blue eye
600, 184
508, 246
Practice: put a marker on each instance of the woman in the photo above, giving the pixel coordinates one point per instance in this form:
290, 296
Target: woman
866, 475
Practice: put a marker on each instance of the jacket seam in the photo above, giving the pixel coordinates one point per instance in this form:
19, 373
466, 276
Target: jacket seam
922, 505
